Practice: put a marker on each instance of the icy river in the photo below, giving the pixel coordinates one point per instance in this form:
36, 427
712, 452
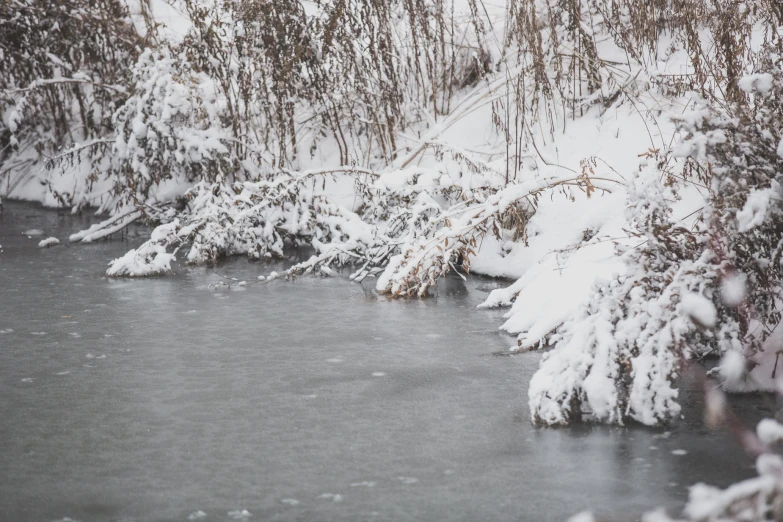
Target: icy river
161, 399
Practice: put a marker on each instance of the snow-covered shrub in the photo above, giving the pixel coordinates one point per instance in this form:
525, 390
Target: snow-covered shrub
741, 142
171, 130
618, 359
256, 219
452, 235
151, 258
403, 210
64, 70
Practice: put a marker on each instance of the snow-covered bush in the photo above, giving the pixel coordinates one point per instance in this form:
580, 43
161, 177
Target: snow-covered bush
151, 258
169, 132
256, 219
414, 225
618, 359
64, 70
452, 235
741, 143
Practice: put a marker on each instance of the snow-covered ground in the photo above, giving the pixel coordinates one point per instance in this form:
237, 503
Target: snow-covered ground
555, 198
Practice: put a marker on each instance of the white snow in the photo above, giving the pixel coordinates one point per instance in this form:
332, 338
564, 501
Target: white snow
658, 515
334, 497
700, 309
584, 516
148, 259
49, 241
755, 210
733, 288
769, 431
761, 82
732, 367
770, 464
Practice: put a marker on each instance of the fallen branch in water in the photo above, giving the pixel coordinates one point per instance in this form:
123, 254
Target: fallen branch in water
106, 228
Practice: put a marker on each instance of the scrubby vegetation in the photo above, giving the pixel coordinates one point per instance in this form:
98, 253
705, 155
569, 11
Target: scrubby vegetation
242, 135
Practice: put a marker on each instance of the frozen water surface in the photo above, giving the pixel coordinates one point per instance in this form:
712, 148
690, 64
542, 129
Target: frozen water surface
311, 400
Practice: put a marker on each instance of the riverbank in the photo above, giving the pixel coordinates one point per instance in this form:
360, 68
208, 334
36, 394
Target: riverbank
152, 399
